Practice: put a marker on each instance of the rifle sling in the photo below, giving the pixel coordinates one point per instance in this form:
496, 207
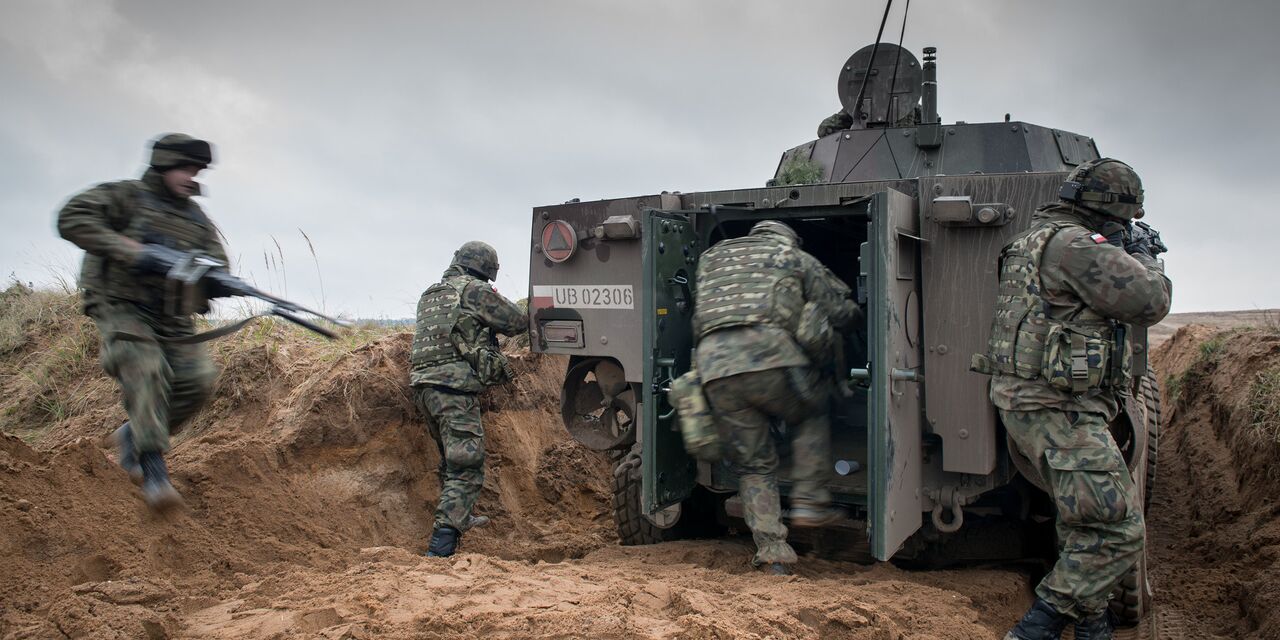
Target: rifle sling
212, 334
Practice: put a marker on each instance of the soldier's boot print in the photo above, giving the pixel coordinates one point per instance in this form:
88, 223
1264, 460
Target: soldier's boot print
1040, 622
128, 453
444, 542
1095, 627
811, 517
157, 491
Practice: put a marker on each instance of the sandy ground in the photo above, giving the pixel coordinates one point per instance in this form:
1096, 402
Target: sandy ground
310, 481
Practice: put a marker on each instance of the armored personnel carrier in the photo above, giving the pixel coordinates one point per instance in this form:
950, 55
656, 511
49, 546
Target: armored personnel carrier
912, 214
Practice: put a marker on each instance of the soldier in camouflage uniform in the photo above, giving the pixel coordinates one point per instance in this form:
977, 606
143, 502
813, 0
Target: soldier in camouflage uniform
141, 317
455, 356
1060, 359
764, 317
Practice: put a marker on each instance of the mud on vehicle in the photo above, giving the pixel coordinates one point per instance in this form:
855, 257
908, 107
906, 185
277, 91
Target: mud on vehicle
912, 214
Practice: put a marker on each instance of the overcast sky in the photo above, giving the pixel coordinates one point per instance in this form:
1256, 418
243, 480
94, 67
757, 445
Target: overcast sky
391, 132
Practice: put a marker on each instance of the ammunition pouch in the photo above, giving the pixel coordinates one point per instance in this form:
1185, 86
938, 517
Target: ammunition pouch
1075, 357
697, 425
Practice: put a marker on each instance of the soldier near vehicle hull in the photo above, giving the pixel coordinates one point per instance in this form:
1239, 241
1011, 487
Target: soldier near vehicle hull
763, 309
138, 313
455, 356
1069, 288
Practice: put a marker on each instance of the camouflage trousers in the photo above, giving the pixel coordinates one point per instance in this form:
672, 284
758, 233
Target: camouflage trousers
454, 421
1100, 524
163, 384
745, 406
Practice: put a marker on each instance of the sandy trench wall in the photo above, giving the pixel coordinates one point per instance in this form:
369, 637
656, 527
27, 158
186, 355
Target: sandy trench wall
1215, 526
308, 452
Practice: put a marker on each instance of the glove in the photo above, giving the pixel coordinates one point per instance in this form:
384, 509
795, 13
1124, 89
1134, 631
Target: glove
156, 258
1145, 240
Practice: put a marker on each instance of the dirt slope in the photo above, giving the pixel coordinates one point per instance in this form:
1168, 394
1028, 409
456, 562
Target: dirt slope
1215, 524
310, 482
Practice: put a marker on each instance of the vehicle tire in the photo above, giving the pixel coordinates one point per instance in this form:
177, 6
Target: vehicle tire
633, 527
1133, 596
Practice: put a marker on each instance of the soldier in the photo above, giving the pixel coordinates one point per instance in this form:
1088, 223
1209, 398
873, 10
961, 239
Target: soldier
455, 356
1058, 351
764, 316
141, 316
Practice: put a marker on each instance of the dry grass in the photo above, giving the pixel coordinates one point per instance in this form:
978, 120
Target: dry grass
1264, 404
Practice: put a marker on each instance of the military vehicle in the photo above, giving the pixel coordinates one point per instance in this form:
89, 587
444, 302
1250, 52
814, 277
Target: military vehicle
912, 214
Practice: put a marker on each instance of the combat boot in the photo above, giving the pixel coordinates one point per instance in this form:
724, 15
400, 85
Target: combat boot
157, 491
128, 452
475, 521
1096, 627
808, 517
1040, 622
444, 541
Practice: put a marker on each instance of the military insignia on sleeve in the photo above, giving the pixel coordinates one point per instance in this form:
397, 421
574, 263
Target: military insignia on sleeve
1098, 238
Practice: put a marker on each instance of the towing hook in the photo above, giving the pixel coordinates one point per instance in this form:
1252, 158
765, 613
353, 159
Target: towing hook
957, 518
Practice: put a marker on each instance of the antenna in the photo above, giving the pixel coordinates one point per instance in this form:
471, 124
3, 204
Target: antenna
888, 109
857, 103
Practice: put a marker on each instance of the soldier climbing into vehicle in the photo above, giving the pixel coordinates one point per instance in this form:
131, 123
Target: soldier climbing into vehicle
766, 316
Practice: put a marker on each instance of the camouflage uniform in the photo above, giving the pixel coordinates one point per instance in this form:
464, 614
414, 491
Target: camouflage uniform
1060, 365
455, 357
163, 384
751, 295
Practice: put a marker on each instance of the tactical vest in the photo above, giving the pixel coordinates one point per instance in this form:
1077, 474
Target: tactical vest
439, 310
748, 281
148, 218
1071, 355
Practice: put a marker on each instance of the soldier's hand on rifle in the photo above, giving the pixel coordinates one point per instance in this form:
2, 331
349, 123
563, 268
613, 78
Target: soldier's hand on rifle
156, 258
1143, 239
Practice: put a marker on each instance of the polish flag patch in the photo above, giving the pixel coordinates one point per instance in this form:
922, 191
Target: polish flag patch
1098, 238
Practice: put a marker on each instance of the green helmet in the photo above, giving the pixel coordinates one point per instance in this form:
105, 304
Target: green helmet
1107, 186
478, 258
774, 227
178, 150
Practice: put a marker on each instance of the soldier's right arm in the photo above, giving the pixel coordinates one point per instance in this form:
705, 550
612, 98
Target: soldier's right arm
821, 286
86, 221
1131, 289
495, 311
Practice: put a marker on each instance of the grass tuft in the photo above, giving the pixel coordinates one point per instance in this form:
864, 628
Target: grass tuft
1264, 404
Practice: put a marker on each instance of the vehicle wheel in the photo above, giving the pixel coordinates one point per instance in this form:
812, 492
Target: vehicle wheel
633, 527
1133, 595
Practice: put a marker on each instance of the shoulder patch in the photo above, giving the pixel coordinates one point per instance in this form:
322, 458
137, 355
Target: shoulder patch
1098, 238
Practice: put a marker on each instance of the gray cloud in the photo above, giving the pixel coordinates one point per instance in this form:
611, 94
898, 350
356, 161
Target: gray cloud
393, 131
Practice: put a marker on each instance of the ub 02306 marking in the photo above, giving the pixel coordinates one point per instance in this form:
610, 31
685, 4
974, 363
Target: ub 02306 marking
584, 296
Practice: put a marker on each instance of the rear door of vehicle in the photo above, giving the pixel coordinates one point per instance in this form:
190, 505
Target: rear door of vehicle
670, 258
890, 262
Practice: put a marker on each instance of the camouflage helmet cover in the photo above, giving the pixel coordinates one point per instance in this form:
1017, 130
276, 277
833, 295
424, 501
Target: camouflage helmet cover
776, 228
1107, 186
177, 150
478, 258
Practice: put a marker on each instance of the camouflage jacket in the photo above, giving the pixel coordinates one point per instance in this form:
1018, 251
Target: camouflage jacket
480, 300
103, 219
742, 349
1084, 278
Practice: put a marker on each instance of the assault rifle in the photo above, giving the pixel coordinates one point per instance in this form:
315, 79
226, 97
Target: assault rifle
1141, 238
189, 271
